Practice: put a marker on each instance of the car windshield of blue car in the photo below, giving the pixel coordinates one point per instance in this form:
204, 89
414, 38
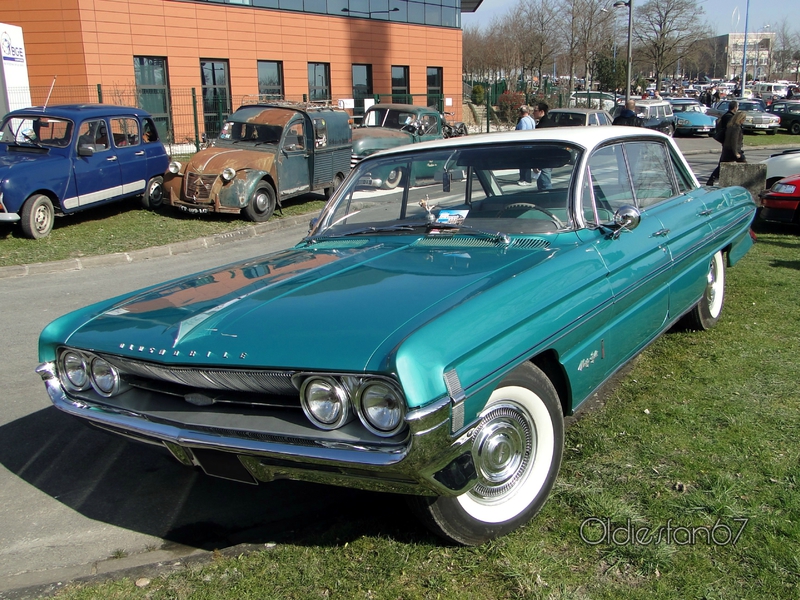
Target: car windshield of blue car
37, 131
508, 189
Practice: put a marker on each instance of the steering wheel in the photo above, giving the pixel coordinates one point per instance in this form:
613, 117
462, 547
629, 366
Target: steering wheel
412, 127
556, 221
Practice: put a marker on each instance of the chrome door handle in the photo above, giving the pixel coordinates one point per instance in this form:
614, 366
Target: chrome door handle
111, 158
661, 233
706, 212
139, 153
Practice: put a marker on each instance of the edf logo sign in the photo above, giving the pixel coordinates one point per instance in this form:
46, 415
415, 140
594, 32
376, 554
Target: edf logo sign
10, 51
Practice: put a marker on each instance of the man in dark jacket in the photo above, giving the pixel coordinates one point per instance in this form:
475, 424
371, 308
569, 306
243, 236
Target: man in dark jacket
627, 116
719, 134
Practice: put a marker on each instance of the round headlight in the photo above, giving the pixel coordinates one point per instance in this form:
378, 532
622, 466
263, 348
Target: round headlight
325, 402
381, 408
74, 371
228, 173
174, 167
105, 378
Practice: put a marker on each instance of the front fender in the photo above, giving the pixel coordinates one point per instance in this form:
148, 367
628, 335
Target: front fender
237, 192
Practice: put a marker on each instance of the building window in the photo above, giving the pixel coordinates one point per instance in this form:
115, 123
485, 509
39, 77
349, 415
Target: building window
319, 82
435, 79
400, 85
152, 89
216, 94
362, 87
270, 80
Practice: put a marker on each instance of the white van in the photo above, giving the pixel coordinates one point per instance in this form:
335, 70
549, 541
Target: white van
768, 90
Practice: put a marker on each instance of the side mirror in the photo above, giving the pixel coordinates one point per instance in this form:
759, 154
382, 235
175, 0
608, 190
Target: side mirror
85, 150
627, 217
312, 223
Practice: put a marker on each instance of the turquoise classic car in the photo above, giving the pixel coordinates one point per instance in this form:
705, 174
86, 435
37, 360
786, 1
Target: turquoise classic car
426, 340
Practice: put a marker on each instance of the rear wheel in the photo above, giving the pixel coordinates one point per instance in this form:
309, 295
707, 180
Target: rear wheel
795, 128
37, 216
706, 313
262, 203
670, 130
516, 449
153, 196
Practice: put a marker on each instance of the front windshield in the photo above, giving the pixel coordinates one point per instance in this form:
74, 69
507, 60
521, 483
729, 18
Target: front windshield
235, 131
36, 130
495, 189
750, 106
387, 117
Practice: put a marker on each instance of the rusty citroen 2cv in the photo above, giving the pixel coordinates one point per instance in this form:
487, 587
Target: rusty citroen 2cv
265, 154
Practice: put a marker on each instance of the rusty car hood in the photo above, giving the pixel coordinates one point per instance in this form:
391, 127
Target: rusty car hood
215, 159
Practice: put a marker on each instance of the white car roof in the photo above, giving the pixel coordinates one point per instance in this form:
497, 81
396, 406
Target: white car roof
586, 137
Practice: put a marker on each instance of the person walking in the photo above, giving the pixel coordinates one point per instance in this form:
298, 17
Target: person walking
525, 123
627, 116
545, 180
733, 146
719, 135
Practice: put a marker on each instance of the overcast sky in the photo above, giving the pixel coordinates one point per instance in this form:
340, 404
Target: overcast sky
719, 13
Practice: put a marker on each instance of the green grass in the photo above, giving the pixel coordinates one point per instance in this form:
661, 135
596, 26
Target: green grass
701, 432
779, 139
123, 227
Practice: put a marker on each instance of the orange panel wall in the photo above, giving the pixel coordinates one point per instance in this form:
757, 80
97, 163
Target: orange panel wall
86, 42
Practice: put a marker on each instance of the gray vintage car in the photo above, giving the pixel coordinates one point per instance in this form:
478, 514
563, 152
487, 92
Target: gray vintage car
265, 154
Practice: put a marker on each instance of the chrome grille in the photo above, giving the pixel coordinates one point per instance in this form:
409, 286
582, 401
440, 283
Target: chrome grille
232, 380
197, 186
354, 160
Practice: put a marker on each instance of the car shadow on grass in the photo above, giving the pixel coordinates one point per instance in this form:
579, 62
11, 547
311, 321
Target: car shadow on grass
142, 488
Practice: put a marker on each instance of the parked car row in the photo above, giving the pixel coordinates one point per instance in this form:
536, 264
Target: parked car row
71, 157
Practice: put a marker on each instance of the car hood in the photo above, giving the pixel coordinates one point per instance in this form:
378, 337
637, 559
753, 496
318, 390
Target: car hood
336, 305
20, 159
367, 140
217, 158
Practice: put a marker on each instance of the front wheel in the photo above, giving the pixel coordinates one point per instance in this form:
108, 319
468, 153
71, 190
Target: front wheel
670, 130
261, 204
706, 313
153, 196
393, 179
516, 449
37, 216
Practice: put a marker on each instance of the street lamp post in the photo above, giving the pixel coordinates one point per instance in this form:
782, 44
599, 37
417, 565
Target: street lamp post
629, 4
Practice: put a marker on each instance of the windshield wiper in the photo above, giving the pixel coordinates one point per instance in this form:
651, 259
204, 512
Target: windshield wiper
496, 235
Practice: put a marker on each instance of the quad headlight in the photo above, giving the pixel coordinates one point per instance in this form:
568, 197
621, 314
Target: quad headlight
105, 378
74, 372
331, 401
325, 402
79, 371
380, 407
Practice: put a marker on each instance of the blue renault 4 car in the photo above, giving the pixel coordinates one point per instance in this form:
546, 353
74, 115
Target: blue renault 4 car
62, 159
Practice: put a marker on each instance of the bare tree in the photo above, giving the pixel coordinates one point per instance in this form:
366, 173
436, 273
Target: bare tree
541, 42
786, 44
666, 31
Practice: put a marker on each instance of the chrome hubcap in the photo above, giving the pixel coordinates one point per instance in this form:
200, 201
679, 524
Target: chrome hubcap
261, 202
502, 451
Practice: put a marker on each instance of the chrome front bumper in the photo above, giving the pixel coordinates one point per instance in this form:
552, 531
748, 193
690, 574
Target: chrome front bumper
430, 461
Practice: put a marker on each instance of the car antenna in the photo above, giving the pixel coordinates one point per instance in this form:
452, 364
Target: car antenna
52, 85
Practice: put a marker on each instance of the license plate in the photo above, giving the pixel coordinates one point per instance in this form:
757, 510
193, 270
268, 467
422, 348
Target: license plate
705, 129
762, 126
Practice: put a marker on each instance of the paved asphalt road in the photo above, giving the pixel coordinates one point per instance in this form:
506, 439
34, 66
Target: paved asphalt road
72, 498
